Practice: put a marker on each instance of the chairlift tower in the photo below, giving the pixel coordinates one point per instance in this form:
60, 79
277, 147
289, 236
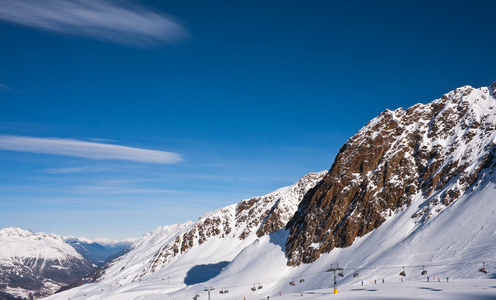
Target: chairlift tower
208, 290
334, 269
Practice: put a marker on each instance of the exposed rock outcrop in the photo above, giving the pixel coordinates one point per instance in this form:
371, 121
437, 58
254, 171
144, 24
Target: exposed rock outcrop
436, 150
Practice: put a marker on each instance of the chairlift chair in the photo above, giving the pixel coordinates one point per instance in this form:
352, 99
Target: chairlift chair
341, 274
356, 274
402, 273
260, 286
253, 288
424, 271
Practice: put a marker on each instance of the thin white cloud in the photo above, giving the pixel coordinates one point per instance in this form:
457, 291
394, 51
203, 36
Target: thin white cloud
83, 169
7, 88
91, 150
121, 22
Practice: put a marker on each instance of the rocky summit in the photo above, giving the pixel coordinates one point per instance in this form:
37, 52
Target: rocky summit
435, 151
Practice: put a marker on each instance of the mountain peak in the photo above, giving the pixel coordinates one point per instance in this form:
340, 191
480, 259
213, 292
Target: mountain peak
435, 151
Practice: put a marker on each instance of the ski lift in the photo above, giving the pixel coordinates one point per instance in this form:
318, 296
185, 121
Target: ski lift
356, 274
302, 280
483, 269
226, 291
260, 286
292, 283
253, 288
424, 271
402, 273
341, 274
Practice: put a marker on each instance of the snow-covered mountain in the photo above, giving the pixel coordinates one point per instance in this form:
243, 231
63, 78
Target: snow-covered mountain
37, 263
433, 152
216, 237
98, 251
413, 191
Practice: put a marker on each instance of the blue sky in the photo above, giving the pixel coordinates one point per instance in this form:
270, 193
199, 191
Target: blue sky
117, 117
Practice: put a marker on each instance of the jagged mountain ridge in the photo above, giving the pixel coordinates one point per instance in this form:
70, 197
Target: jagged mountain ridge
240, 223
437, 150
37, 263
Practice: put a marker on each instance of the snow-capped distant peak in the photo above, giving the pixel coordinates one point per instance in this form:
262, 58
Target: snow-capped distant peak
38, 263
17, 242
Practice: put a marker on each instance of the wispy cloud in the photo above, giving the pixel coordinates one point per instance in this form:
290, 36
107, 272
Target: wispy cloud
121, 22
119, 190
82, 169
7, 88
78, 148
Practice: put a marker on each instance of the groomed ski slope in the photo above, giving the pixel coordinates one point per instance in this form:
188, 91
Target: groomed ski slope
453, 244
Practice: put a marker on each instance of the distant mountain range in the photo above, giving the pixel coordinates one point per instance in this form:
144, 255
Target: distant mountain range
39, 264
98, 251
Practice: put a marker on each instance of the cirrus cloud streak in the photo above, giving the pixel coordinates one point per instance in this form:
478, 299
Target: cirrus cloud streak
83, 149
106, 20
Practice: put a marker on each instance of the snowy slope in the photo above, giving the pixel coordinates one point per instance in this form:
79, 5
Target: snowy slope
452, 244
447, 228
37, 263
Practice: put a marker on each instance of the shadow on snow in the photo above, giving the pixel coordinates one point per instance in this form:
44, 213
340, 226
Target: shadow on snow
202, 273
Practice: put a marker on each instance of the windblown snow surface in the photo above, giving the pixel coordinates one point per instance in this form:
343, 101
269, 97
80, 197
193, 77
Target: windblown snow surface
452, 244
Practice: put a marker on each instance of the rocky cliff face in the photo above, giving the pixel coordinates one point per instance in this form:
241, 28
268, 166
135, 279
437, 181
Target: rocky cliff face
435, 151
